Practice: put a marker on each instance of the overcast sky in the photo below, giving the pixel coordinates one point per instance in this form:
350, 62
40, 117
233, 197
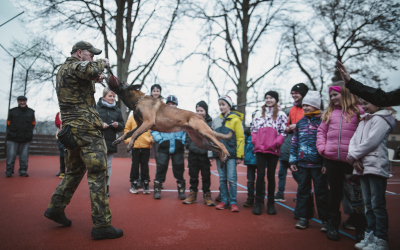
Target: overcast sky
187, 84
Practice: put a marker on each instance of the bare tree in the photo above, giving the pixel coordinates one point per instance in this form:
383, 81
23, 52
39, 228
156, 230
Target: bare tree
127, 27
232, 33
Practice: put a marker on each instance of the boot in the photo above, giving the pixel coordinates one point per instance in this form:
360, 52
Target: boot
108, 191
106, 233
181, 190
271, 209
134, 188
191, 199
249, 202
360, 224
157, 190
207, 199
146, 189
257, 209
58, 217
333, 226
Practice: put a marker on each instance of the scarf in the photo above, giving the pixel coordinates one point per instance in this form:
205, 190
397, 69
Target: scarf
107, 104
312, 114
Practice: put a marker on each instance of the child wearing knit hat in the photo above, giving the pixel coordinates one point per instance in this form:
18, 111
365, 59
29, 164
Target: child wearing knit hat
305, 159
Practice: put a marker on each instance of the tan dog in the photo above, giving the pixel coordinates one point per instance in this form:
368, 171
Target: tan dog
151, 113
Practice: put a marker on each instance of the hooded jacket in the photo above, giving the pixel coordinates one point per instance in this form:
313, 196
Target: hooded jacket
303, 151
190, 144
169, 142
333, 139
144, 140
295, 114
224, 125
110, 115
268, 135
369, 142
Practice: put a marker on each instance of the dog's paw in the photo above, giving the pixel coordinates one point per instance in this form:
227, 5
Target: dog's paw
116, 142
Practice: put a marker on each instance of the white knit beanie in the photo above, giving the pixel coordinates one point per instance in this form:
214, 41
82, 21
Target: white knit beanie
312, 98
227, 99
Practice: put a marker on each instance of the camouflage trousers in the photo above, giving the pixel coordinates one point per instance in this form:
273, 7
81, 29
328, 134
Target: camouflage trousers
90, 156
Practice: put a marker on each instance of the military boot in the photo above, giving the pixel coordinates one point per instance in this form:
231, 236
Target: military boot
157, 190
191, 199
181, 190
58, 217
106, 233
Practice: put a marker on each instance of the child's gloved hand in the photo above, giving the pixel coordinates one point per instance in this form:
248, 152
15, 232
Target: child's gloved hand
293, 168
323, 170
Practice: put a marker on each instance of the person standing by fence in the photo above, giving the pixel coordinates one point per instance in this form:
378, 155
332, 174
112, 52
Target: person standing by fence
20, 123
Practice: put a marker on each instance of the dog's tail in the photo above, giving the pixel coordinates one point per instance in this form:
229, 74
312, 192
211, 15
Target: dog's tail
223, 136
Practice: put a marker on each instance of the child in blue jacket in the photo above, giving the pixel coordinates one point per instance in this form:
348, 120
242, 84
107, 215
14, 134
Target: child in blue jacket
305, 159
170, 145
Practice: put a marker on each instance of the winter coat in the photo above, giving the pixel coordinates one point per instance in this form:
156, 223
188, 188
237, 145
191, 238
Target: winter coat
249, 155
143, 141
369, 142
110, 115
169, 142
20, 124
333, 139
231, 123
268, 135
375, 96
295, 114
303, 152
190, 144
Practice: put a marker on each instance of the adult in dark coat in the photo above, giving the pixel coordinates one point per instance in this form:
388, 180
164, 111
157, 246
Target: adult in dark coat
20, 123
375, 96
112, 123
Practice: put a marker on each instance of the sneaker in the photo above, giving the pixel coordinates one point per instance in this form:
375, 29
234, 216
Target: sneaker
106, 233
249, 202
324, 226
207, 199
279, 197
220, 206
61, 175
348, 224
234, 208
58, 217
58, 174
134, 189
24, 175
192, 198
146, 189
377, 244
302, 223
218, 198
8, 174
368, 239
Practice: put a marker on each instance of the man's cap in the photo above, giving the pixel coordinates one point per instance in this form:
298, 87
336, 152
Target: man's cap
82, 45
21, 97
172, 98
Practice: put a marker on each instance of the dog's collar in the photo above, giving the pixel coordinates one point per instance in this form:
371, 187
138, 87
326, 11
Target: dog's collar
139, 100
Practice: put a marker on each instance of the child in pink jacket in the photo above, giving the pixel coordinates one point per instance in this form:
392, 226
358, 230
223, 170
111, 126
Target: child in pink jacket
339, 122
268, 133
369, 155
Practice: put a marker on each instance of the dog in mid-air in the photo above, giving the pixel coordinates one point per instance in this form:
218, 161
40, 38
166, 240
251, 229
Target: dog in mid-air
151, 113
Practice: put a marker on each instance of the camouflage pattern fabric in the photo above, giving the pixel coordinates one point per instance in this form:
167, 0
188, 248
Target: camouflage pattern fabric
75, 92
91, 155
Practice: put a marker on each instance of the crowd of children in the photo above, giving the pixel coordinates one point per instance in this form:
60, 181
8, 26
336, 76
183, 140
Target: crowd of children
337, 155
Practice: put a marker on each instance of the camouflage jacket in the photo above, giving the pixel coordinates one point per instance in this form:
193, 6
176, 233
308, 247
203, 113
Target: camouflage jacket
75, 92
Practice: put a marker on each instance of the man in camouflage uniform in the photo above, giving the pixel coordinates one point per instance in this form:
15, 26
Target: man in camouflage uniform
75, 91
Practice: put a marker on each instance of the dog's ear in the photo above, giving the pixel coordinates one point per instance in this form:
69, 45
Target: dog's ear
136, 87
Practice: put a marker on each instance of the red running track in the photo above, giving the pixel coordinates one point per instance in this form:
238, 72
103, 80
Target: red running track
163, 224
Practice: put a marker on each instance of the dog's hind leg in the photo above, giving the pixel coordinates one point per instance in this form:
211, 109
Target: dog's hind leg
124, 136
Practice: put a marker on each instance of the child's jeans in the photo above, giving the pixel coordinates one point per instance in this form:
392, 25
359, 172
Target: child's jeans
283, 167
140, 156
227, 174
353, 201
374, 189
321, 191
